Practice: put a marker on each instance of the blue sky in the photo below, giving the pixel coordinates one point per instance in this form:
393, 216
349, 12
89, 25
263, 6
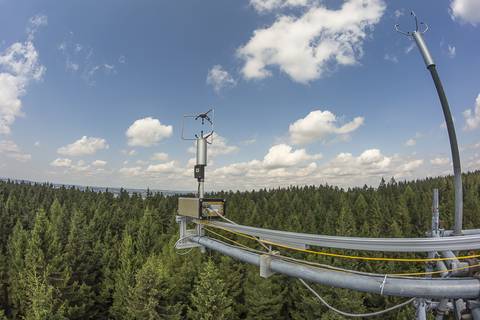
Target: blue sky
304, 91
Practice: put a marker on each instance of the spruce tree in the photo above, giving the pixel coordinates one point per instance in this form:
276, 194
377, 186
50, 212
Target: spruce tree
150, 298
124, 278
43, 275
264, 298
209, 300
16, 266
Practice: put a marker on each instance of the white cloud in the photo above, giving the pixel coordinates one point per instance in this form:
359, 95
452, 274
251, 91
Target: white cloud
345, 166
160, 156
81, 60
410, 48
147, 132
452, 51
219, 78
99, 163
390, 57
440, 161
398, 13
410, 166
61, 162
466, 10
218, 147
318, 125
130, 153
34, 23
282, 156
131, 171
83, 146
11, 150
37, 144
263, 6
248, 142
283, 166
165, 168
411, 142
472, 117
18, 67
306, 47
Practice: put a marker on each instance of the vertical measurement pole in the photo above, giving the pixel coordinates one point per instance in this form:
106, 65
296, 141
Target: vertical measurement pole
457, 170
201, 164
435, 214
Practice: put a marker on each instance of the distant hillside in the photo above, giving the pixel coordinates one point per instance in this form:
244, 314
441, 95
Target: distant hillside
113, 190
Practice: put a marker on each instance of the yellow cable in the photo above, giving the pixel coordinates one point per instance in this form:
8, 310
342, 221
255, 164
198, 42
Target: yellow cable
228, 239
421, 273
337, 255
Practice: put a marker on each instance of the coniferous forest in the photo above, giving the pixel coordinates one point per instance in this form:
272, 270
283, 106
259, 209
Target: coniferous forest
70, 254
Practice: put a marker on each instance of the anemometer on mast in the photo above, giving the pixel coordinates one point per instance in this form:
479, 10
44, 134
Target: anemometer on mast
199, 207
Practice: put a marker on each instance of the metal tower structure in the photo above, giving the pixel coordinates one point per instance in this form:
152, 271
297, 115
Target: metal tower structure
449, 283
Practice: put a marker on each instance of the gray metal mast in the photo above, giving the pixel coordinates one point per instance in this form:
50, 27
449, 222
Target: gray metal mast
457, 171
201, 141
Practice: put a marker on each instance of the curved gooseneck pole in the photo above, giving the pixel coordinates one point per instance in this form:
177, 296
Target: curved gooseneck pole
457, 170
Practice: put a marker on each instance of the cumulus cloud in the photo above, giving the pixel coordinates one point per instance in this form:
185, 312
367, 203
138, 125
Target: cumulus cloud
345, 166
283, 156
19, 66
440, 161
169, 167
279, 164
61, 162
160, 156
263, 6
306, 47
99, 163
219, 78
131, 171
83, 146
472, 117
80, 168
409, 166
11, 150
218, 147
318, 125
130, 153
147, 132
283, 166
410, 142
466, 11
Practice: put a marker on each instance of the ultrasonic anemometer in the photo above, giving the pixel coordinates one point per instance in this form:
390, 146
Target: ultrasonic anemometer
199, 207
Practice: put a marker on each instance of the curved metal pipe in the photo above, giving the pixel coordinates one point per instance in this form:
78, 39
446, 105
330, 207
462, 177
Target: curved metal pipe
457, 170
458, 243
401, 287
